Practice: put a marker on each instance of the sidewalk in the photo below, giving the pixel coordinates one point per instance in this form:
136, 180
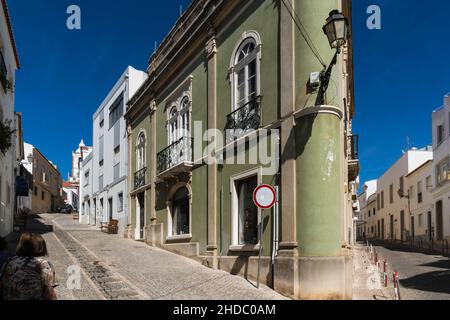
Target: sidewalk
151, 273
368, 283
60, 259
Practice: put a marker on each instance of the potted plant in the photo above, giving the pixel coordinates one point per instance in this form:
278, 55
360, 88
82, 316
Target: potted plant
6, 134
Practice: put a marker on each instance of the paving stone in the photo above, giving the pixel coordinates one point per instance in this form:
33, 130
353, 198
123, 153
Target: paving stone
156, 273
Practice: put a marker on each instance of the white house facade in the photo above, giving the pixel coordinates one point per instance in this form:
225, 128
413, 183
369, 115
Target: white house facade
441, 171
72, 186
421, 203
26, 203
86, 201
9, 164
108, 199
364, 209
387, 211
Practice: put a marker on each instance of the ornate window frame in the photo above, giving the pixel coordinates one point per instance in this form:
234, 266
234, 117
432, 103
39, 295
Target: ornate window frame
246, 37
235, 246
169, 204
174, 102
141, 133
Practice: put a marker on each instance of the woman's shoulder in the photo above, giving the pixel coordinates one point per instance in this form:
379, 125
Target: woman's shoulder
21, 263
45, 264
17, 260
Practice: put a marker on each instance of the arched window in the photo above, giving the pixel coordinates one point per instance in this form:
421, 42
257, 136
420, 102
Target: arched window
181, 213
185, 117
173, 125
246, 67
140, 152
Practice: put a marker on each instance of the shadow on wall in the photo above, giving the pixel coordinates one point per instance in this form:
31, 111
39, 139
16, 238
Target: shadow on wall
241, 265
34, 224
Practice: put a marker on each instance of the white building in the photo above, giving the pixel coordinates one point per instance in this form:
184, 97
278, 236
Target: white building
441, 171
78, 157
110, 153
26, 203
86, 191
364, 209
72, 186
9, 164
421, 204
388, 210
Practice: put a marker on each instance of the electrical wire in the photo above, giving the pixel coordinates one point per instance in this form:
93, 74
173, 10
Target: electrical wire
304, 33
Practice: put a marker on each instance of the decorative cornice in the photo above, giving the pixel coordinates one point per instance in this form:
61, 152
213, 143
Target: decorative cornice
180, 31
11, 33
211, 47
153, 106
319, 109
192, 28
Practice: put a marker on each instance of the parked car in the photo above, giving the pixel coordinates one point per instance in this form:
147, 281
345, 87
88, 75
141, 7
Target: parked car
67, 209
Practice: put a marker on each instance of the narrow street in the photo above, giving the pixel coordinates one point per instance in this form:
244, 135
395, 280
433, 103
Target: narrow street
115, 268
422, 276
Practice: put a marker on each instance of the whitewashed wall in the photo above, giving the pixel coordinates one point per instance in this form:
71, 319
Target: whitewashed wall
106, 183
8, 162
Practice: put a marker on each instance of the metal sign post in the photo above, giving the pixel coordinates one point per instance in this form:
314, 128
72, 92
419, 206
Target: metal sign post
264, 197
260, 246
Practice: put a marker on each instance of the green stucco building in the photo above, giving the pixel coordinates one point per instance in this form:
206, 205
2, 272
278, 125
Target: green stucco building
242, 68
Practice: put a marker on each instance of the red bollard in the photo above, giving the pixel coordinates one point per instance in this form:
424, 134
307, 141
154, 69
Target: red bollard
386, 278
396, 288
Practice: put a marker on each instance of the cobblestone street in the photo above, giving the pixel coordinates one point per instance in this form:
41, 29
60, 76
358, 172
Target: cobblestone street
422, 276
116, 268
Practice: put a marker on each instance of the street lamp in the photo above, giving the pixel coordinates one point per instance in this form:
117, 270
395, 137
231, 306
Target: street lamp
336, 29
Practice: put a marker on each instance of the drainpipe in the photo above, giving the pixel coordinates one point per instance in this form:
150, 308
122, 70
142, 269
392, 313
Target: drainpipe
276, 235
221, 209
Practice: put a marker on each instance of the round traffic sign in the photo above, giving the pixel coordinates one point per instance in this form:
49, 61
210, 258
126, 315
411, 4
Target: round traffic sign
265, 196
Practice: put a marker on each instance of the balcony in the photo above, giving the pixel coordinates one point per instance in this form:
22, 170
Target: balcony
175, 159
244, 120
353, 162
139, 178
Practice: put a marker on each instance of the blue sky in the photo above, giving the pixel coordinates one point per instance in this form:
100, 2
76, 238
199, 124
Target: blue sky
65, 75
401, 71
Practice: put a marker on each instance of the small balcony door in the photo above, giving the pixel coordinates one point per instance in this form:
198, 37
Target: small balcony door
101, 209
391, 227
140, 215
430, 227
110, 209
402, 225
95, 212
439, 221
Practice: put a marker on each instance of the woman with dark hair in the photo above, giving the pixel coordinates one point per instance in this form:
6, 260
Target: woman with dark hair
29, 276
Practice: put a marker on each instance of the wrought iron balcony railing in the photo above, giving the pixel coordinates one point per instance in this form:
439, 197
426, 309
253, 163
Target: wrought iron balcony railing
139, 178
177, 153
243, 120
355, 148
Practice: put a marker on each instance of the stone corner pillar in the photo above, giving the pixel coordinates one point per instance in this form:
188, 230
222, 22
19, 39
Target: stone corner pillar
211, 53
323, 267
153, 164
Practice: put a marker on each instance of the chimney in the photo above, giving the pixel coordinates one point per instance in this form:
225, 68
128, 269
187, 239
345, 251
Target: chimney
447, 100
